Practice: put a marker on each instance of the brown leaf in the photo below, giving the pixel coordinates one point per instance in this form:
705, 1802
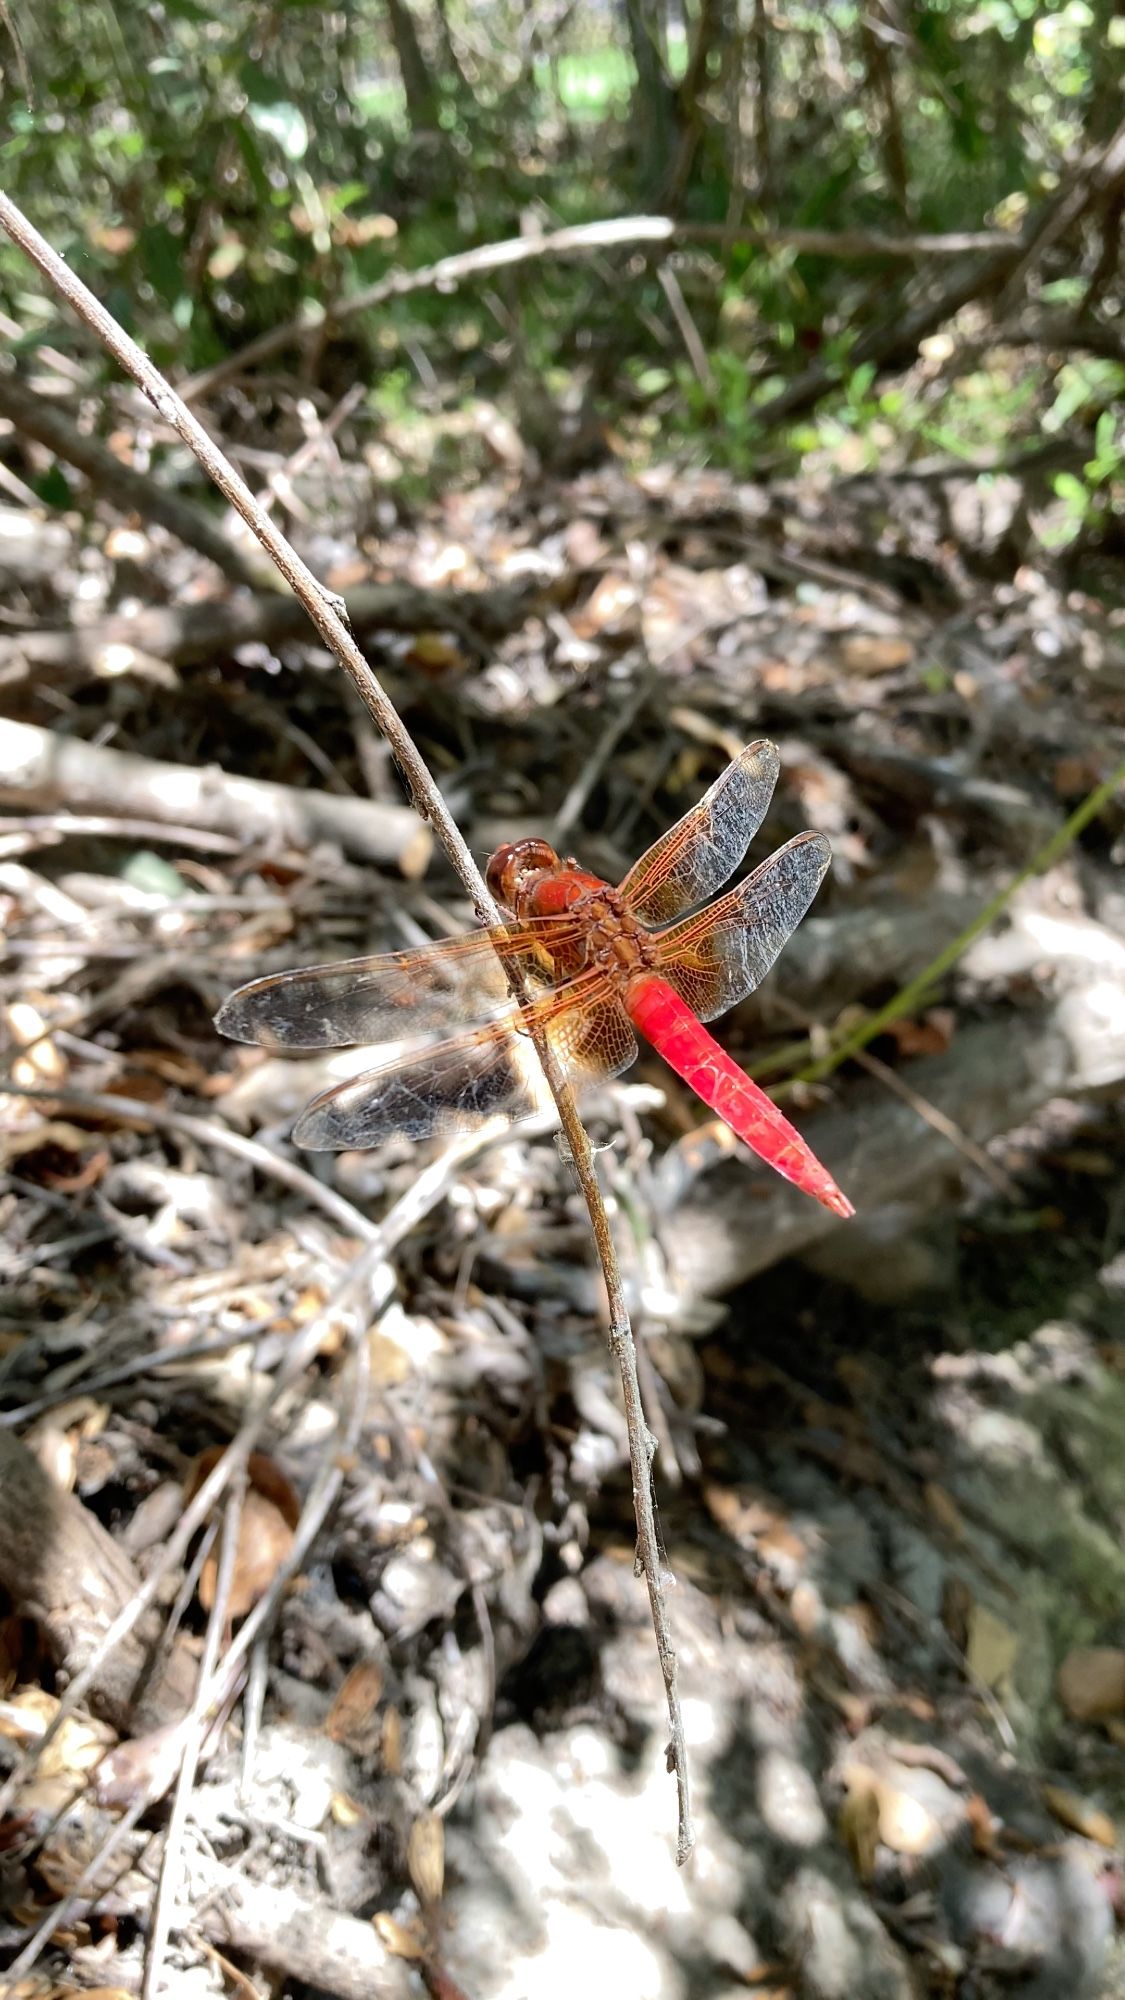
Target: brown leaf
264, 1541
944, 1510
425, 1857
983, 1825
355, 1703
869, 653
1091, 1683
270, 1513
858, 1821
434, 653
400, 1940
930, 1036
612, 608
392, 1742
1079, 1815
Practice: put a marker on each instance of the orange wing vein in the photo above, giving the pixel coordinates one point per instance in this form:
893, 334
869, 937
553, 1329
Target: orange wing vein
455, 1085
716, 957
701, 852
396, 996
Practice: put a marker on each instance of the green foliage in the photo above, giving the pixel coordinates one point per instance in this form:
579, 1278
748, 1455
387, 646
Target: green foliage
214, 170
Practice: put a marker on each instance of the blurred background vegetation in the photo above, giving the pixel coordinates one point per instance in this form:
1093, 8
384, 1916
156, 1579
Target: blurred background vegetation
216, 172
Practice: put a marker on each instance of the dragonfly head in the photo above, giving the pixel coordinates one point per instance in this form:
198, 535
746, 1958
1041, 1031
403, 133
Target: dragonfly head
515, 868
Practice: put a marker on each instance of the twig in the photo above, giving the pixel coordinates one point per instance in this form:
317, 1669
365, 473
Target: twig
298, 1939
42, 829
689, 332
1001, 1182
60, 1566
301, 1351
209, 1133
35, 417
324, 611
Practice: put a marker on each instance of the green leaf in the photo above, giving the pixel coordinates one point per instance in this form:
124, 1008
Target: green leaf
150, 872
52, 488
1072, 491
162, 261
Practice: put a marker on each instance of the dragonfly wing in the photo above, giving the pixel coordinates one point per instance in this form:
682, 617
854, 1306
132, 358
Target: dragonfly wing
716, 957
701, 852
394, 997
456, 1085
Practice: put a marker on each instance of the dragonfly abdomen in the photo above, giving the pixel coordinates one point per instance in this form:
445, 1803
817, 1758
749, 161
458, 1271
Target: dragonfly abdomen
687, 1047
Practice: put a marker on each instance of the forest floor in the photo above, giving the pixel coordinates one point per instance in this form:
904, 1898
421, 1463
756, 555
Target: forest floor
431, 1742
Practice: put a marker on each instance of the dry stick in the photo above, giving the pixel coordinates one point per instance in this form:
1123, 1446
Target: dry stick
35, 416
618, 231
208, 1133
324, 612
47, 771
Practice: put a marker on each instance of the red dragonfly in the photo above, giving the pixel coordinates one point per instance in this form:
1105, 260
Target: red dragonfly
598, 963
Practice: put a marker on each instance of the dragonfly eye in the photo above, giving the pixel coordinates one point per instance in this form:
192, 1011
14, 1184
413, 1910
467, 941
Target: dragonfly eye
514, 864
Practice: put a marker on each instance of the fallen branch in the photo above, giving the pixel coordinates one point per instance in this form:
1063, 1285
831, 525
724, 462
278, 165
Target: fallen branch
62, 1570
180, 634
301, 1940
133, 492
43, 772
629, 232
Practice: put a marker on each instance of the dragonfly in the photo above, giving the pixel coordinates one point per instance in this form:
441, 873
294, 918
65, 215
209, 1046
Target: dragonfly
598, 965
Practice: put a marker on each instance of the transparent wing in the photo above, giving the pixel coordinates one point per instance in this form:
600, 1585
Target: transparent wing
716, 957
701, 852
396, 996
456, 1085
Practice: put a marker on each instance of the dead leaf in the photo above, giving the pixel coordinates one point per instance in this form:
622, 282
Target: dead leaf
50, 1137
858, 1820
434, 653
1091, 1683
270, 1512
1079, 1816
992, 1647
392, 1742
346, 1811
612, 609
264, 1541
400, 1941
425, 1857
983, 1825
868, 653
930, 1036
904, 1824
40, 1064
355, 1703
